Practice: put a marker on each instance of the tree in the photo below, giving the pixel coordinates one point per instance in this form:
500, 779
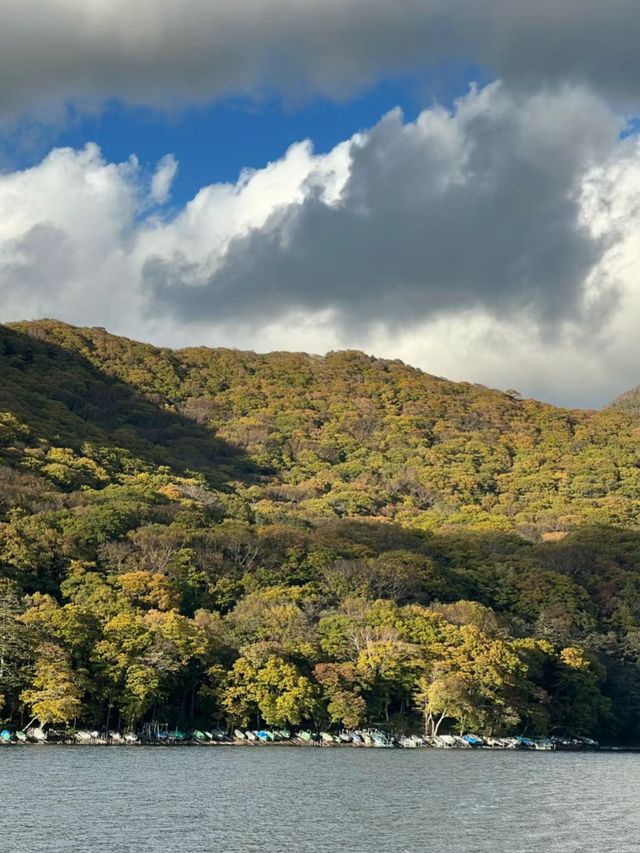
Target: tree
477, 681
15, 646
55, 694
275, 688
142, 655
578, 705
343, 693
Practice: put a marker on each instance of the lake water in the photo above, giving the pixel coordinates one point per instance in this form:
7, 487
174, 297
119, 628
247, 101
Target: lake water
276, 800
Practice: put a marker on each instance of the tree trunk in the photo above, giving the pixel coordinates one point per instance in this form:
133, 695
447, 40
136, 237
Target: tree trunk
439, 723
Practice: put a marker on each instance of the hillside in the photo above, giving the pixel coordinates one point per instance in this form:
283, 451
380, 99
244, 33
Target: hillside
212, 534
627, 402
345, 435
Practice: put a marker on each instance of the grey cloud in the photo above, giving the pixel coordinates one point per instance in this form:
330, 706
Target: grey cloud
159, 51
152, 51
476, 210
35, 264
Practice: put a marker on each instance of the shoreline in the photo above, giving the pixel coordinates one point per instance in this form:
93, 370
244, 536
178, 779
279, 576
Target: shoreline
325, 746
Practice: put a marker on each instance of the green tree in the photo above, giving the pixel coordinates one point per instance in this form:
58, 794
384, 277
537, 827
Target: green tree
15, 644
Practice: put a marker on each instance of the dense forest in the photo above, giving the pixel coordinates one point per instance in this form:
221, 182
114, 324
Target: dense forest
214, 536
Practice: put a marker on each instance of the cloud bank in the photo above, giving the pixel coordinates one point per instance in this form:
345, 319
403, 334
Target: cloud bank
161, 51
449, 213
486, 243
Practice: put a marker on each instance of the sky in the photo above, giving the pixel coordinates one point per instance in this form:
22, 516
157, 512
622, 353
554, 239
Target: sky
455, 183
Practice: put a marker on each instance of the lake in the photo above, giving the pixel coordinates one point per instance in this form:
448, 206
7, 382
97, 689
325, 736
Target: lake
277, 799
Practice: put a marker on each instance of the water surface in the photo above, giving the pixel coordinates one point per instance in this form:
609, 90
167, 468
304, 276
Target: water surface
277, 799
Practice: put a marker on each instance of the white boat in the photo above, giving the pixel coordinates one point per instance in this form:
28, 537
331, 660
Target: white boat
381, 741
239, 735
131, 737
83, 736
251, 736
37, 734
444, 741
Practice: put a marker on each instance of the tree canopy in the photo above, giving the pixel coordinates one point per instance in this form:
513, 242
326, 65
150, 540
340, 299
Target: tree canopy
205, 535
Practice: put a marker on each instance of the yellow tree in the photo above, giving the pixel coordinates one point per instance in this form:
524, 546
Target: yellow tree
55, 694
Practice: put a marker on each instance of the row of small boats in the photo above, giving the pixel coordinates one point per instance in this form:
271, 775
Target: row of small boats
370, 737
68, 736
376, 738
360, 738
471, 741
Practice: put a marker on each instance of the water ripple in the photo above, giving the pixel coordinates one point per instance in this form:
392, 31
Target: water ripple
278, 800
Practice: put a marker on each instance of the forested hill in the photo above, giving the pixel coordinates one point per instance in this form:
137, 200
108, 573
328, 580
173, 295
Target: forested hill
209, 534
309, 437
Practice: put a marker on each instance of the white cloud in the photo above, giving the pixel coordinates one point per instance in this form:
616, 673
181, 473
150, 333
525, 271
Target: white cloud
159, 51
163, 179
489, 244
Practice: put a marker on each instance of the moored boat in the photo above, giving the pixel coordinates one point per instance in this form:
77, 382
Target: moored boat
38, 734
588, 742
178, 735
83, 736
444, 741
381, 740
219, 735
411, 742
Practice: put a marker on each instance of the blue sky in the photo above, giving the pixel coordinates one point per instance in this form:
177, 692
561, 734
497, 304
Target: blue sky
487, 232
215, 142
